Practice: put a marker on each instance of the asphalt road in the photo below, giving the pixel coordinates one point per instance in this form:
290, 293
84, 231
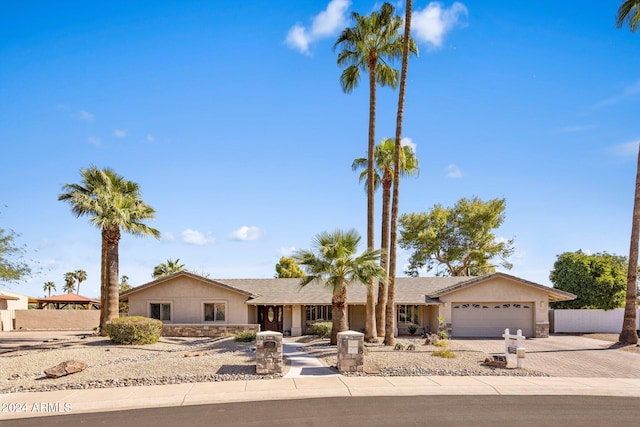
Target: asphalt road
374, 411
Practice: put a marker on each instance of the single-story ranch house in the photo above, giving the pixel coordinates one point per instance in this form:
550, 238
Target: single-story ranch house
471, 306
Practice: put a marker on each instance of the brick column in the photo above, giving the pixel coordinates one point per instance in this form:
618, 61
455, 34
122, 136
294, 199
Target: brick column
268, 353
350, 351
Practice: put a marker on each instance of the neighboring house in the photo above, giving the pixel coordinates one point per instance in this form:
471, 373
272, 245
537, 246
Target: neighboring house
9, 302
470, 306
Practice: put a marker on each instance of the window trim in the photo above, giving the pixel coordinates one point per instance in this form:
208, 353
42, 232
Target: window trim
324, 307
224, 303
416, 318
170, 302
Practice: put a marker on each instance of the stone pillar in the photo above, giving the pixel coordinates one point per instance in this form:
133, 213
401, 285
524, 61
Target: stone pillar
350, 351
296, 321
268, 353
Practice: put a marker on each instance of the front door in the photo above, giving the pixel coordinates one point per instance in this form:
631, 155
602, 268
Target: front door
271, 318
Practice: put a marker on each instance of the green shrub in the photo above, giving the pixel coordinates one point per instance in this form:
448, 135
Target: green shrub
321, 329
245, 336
440, 343
412, 328
134, 330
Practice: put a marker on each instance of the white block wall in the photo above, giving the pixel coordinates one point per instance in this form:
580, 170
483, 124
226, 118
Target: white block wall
597, 321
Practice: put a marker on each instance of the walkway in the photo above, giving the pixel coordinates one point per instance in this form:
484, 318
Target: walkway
302, 364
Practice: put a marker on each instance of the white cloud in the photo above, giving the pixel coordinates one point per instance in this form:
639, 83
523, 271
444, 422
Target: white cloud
627, 150
245, 233
120, 133
167, 236
83, 115
194, 237
408, 142
287, 251
630, 91
454, 171
431, 24
325, 24
94, 141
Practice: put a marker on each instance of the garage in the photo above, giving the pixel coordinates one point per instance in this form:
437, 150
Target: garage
490, 319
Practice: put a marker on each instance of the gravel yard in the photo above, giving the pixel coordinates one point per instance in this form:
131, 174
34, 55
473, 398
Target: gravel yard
180, 360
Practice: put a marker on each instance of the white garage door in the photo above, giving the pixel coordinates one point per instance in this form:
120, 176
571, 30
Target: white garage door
491, 319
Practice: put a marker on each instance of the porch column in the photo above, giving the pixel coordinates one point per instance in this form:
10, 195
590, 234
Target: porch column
296, 321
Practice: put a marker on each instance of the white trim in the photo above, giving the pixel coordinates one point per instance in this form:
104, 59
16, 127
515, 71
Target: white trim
170, 302
214, 301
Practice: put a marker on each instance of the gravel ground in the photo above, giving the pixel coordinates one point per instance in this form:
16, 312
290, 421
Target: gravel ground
180, 360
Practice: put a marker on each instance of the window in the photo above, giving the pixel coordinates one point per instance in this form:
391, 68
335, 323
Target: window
408, 314
160, 311
214, 312
318, 312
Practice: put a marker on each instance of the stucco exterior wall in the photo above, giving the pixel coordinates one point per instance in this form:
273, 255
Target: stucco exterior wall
57, 320
501, 289
22, 303
187, 297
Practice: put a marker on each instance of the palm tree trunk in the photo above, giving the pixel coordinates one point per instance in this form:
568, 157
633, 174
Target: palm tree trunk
370, 309
338, 313
110, 308
628, 334
103, 284
389, 338
381, 307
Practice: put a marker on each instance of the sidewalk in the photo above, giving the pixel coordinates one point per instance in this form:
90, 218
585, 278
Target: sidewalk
24, 405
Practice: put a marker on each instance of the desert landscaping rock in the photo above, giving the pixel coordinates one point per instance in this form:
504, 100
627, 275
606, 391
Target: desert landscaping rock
65, 368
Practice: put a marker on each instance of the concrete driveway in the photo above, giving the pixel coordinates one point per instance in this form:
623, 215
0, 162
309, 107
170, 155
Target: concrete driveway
567, 356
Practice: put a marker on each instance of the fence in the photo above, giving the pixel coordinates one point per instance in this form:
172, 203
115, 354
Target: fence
585, 321
59, 320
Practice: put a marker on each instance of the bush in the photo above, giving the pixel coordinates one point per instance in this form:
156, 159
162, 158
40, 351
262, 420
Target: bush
412, 328
321, 329
245, 336
444, 352
134, 330
440, 343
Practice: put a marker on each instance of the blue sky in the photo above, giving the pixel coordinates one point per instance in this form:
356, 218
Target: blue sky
231, 118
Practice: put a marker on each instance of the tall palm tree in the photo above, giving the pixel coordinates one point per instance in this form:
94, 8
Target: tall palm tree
333, 262
389, 338
81, 276
112, 204
48, 286
628, 334
69, 282
409, 165
629, 11
167, 268
367, 46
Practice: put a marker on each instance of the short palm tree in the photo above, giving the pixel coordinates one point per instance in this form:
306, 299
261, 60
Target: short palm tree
69, 282
370, 45
81, 276
112, 204
333, 262
167, 268
48, 286
629, 11
409, 166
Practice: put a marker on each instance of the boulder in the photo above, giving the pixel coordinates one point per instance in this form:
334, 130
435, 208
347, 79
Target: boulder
65, 368
497, 361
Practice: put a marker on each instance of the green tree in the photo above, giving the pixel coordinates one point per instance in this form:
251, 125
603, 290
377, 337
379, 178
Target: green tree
629, 11
123, 307
370, 45
81, 276
69, 282
409, 165
48, 286
113, 204
460, 238
12, 268
332, 261
287, 268
598, 280
167, 268
389, 338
